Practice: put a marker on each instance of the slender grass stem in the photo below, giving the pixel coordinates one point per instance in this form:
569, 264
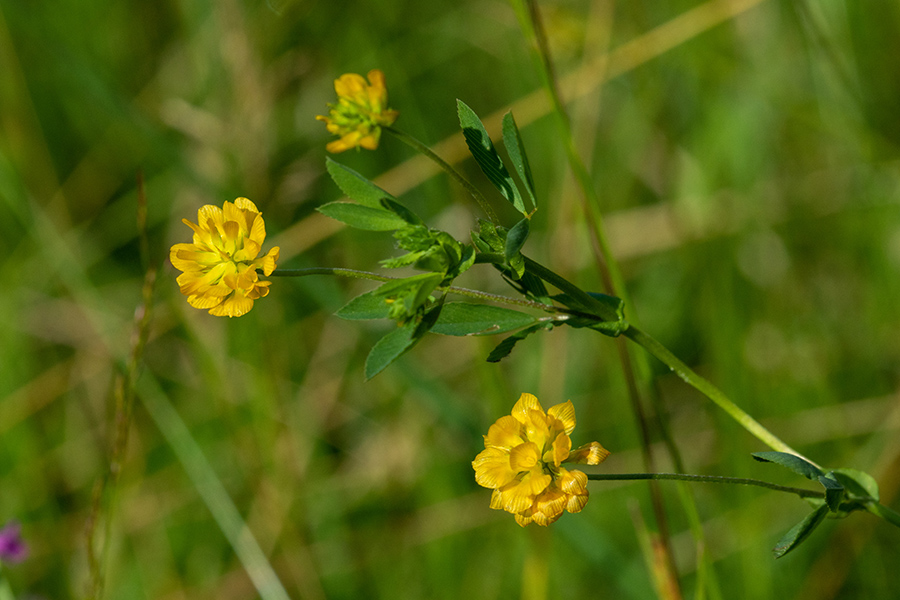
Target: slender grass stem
803, 493
426, 151
529, 17
105, 494
210, 489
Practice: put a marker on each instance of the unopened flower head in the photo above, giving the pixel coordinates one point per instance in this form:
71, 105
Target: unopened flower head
12, 548
219, 267
522, 462
360, 113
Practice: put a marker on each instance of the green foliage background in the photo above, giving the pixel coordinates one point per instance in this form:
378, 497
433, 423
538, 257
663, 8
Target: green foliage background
751, 178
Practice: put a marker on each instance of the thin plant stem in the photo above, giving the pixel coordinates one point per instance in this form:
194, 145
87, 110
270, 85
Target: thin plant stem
891, 516
530, 21
709, 390
103, 501
356, 274
633, 333
527, 14
803, 493
654, 348
426, 151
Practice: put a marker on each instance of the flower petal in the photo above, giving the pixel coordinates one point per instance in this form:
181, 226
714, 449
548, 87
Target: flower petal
565, 412
576, 502
518, 495
559, 450
233, 306
525, 404
505, 433
524, 457
219, 267
492, 468
549, 506
572, 482
588, 454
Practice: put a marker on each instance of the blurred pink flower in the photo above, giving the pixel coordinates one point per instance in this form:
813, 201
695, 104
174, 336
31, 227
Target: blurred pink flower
12, 548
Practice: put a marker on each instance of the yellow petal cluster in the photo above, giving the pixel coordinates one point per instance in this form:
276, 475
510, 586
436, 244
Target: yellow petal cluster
522, 462
360, 113
219, 267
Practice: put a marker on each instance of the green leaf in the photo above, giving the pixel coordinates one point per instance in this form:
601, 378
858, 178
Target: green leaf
515, 239
393, 345
799, 532
399, 287
534, 287
792, 462
506, 346
362, 217
488, 239
858, 483
610, 308
611, 328
466, 260
355, 186
389, 348
834, 491
613, 302
463, 318
370, 305
401, 211
516, 150
482, 149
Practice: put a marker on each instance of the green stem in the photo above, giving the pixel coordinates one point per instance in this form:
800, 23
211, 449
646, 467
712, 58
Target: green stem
885, 513
529, 19
6, 592
633, 333
709, 390
571, 289
426, 151
803, 493
526, 11
355, 274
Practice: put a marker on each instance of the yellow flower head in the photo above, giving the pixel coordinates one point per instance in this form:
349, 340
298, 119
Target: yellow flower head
360, 113
522, 462
219, 267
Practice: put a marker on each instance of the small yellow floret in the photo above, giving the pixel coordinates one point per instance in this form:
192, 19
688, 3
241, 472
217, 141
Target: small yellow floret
360, 113
219, 269
522, 459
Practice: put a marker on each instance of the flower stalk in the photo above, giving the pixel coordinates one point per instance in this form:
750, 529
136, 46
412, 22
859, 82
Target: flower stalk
447, 167
803, 493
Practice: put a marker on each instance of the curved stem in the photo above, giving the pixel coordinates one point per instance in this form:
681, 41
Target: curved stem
426, 151
633, 333
803, 493
709, 390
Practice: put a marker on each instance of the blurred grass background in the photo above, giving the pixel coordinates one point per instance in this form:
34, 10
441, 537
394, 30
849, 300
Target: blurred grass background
747, 155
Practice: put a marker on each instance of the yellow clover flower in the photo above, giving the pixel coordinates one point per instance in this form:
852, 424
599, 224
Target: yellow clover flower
360, 113
522, 462
219, 267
